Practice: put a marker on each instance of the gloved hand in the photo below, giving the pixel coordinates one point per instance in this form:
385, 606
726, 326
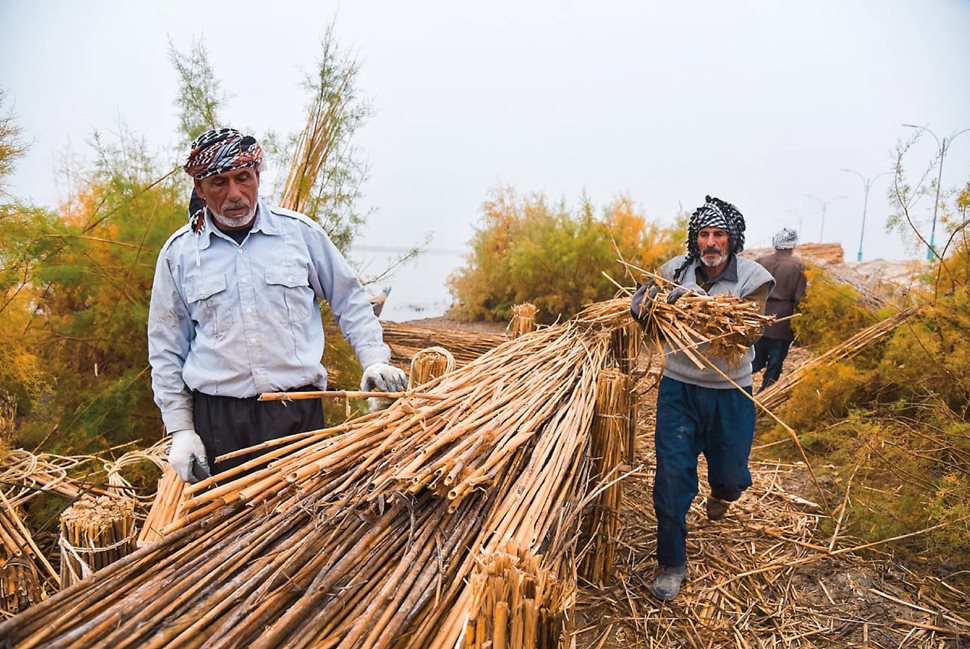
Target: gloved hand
381, 377
680, 291
650, 289
187, 456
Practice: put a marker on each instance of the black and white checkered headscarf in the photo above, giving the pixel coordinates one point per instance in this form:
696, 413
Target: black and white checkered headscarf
714, 213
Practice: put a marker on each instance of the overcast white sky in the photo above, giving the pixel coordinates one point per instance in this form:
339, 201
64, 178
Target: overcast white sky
760, 103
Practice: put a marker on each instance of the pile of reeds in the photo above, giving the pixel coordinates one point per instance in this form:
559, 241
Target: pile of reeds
367, 534
26, 577
166, 507
777, 394
95, 532
406, 340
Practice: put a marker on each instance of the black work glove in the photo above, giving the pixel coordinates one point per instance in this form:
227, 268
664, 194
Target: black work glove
680, 291
650, 289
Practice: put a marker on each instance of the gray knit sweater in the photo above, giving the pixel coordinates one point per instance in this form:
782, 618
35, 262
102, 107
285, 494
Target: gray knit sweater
742, 277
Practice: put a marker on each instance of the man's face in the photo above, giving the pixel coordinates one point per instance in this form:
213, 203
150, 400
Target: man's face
714, 244
231, 196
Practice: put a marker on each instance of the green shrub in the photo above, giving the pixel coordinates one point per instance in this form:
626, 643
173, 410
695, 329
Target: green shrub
528, 250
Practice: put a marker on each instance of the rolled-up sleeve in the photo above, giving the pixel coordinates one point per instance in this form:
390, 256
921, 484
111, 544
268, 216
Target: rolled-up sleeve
169, 339
348, 300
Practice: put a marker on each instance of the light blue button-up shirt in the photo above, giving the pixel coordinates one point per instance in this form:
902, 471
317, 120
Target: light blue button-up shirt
237, 320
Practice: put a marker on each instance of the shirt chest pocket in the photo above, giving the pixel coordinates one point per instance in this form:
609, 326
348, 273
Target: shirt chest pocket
289, 294
210, 305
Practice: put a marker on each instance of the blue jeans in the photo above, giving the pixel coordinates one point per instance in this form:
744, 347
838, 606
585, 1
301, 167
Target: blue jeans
692, 420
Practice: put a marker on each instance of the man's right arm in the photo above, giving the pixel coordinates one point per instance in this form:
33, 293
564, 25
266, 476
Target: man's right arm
170, 334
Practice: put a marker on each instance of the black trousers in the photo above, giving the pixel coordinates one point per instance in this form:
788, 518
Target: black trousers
769, 354
228, 424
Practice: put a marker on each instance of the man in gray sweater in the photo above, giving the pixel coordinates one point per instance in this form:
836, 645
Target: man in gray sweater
698, 410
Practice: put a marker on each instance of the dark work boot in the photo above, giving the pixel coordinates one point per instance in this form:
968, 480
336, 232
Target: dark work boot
716, 508
667, 583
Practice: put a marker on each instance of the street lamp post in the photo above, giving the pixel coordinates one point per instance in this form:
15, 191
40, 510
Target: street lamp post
865, 202
942, 146
825, 205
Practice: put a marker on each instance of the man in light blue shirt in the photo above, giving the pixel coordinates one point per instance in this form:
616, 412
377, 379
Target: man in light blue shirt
234, 313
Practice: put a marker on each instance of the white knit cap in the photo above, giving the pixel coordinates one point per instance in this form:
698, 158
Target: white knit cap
785, 239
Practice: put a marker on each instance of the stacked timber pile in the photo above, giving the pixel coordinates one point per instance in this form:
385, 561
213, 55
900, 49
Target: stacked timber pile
25, 575
778, 393
406, 340
95, 532
368, 535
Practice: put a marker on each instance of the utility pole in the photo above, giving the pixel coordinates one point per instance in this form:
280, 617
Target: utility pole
825, 205
942, 146
865, 202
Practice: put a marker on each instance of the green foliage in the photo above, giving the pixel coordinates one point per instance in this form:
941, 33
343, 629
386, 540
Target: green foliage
827, 395
830, 313
528, 250
199, 95
327, 172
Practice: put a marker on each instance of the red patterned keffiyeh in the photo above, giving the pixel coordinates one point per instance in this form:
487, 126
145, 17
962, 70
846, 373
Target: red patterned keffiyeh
222, 149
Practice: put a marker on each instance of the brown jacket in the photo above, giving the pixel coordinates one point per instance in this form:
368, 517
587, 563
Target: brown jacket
789, 273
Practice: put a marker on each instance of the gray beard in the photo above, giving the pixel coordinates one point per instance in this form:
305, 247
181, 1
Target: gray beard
233, 222
716, 263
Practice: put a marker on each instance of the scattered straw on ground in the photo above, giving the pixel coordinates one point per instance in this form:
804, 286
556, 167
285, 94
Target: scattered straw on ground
762, 577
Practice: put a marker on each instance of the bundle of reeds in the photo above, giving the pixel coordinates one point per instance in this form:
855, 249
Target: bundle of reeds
166, 507
717, 326
95, 532
523, 319
25, 575
516, 603
608, 449
406, 340
777, 394
366, 535
429, 364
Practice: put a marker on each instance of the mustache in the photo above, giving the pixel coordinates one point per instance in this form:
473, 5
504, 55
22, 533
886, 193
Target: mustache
236, 205
712, 250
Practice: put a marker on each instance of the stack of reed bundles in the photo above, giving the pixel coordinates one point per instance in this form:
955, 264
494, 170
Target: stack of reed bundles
406, 340
367, 534
25, 575
166, 507
95, 533
523, 319
429, 364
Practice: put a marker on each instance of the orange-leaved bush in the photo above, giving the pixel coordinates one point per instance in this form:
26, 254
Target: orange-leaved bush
528, 249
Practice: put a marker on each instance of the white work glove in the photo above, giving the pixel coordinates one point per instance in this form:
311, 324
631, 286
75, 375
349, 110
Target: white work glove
381, 377
187, 456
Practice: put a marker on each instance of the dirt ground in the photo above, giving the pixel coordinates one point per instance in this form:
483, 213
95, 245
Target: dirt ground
764, 576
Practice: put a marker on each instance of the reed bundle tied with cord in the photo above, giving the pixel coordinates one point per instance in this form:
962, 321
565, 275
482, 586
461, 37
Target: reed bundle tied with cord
95, 532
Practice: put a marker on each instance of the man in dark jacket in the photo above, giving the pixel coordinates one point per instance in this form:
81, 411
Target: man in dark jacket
789, 272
